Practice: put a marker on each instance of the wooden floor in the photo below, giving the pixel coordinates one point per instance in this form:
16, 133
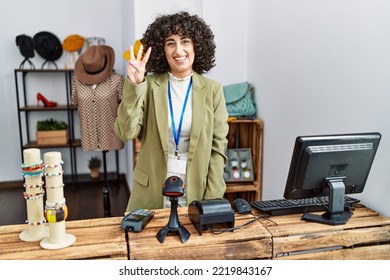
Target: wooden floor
84, 200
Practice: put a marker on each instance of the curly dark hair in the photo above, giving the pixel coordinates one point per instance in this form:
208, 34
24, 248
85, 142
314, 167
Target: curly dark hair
182, 24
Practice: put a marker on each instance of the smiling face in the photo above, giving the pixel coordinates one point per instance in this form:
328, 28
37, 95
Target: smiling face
180, 54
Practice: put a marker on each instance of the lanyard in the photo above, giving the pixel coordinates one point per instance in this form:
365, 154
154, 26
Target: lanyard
176, 136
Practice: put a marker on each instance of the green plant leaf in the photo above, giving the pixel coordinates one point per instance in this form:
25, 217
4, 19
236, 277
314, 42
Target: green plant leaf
51, 124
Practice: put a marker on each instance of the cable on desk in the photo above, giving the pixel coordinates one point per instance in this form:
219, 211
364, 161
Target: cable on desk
219, 231
128, 228
266, 218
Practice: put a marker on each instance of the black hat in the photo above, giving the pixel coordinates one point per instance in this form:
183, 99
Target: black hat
47, 45
26, 45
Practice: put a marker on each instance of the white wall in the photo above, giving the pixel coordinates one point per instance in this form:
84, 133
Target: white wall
319, 66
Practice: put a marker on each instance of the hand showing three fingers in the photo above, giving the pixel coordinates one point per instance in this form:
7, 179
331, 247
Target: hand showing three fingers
136, 65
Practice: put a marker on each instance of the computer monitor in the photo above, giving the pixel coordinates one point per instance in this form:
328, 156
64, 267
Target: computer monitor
331, 165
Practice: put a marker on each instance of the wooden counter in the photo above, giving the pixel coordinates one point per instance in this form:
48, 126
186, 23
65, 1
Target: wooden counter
104, 239
95, 239
250, 242
365, 236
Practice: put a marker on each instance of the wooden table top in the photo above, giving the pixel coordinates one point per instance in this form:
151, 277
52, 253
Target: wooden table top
104, 239
250, 242
95, 239
365, 236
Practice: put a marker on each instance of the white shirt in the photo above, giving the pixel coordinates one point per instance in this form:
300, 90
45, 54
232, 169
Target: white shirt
179, 87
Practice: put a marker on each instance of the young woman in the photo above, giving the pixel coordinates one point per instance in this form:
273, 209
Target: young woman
181, 113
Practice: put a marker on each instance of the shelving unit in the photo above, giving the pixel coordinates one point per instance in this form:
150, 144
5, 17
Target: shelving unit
24, 110
247, 134
243, 133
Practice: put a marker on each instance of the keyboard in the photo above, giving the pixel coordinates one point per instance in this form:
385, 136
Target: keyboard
279, 207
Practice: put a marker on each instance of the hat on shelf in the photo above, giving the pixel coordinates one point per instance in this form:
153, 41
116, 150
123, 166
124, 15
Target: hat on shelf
47, 45
137, 45
26, 45
95, 64
73, 43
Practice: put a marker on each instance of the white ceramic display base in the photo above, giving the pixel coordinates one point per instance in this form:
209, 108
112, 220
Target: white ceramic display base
68, 240
26, 235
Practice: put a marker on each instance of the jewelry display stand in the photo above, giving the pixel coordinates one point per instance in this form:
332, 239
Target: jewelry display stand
32, 170
56, 210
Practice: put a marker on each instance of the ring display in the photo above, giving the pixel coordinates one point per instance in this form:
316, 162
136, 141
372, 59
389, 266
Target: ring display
239, 167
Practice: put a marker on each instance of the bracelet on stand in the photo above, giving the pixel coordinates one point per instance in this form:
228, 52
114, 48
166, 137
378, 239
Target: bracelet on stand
55, 187
32, 174
36, 223
33, 186
56, 204
32, 165
54, 174
54, 165
36, 167
33, 169
28, 196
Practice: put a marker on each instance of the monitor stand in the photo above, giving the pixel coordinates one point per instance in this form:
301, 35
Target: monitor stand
336, 214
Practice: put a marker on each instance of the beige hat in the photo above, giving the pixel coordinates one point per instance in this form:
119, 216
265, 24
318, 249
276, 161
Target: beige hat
95, 64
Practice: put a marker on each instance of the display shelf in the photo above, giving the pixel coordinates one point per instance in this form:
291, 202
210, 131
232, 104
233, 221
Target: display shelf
25, 110
33, 144
247, 133
42, 108
44, 70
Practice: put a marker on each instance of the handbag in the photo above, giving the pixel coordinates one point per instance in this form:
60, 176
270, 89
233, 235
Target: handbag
239, 100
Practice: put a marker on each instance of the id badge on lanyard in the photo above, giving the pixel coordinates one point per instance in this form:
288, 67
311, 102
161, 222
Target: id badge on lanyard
177, 164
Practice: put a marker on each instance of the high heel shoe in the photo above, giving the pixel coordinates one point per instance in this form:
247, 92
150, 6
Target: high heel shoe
46, 102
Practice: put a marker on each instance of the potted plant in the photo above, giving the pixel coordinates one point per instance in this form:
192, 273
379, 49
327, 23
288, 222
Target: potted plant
52, 132
94, 165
